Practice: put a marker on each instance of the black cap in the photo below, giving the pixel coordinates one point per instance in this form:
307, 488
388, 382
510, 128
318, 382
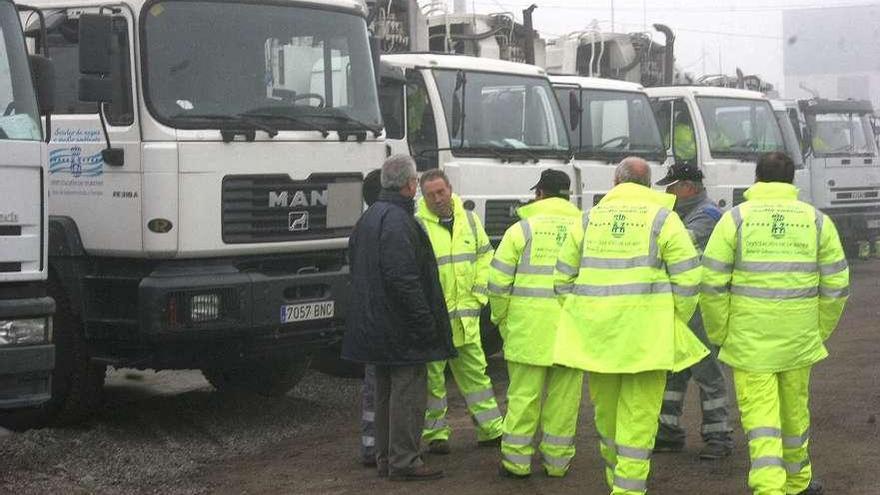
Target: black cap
553, 182
681, 171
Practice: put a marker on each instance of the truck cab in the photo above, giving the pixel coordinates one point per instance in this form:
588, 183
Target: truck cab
205, 171
841, 154
492, 125
607, 120
793, 148
27, 352
730, 128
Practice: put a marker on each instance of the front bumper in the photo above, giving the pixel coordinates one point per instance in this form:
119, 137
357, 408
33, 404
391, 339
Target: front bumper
25, 370
856, 223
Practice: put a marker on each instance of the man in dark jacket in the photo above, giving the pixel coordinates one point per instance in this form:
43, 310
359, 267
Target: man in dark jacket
398, 320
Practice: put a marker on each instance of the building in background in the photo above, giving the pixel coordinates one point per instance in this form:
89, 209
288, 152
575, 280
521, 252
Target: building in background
833, 51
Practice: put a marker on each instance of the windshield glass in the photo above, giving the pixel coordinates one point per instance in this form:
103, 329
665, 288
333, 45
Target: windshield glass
789, 137
501, 112
613, 123
739, 128
841, 134
19, 119
298, 66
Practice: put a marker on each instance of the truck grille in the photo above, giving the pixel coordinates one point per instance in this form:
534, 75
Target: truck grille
500, 214
855, 195
274, 208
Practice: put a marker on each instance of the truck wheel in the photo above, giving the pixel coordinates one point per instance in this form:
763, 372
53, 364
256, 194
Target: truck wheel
489, 334
77, 383
270, 378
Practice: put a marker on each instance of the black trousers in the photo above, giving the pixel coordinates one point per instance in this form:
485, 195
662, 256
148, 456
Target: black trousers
401, 395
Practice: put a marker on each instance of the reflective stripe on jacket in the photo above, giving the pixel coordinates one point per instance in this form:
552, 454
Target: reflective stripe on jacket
523, 301
463, 259
775, 281
631, 278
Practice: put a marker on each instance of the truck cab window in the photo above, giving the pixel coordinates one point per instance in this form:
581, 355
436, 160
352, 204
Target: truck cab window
63, 38
421, 132
391, 104
18, 114
676, 129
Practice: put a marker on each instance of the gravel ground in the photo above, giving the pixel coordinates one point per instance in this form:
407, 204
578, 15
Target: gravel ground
169, 432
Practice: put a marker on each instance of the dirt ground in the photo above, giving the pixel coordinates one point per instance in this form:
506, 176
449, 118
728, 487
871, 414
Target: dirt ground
170, 433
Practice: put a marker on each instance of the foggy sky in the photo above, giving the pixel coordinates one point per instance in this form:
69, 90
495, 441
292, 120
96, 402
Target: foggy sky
710, 34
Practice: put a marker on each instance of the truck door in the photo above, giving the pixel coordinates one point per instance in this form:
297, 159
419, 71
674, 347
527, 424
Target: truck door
409, 119
81, 184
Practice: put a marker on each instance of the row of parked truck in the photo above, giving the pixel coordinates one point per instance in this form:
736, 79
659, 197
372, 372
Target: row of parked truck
179, 177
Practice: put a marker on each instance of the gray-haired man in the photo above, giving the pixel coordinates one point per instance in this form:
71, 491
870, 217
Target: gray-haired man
699, 214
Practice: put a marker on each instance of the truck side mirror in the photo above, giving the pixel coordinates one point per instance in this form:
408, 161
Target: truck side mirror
96, 58
43, 72
574, 110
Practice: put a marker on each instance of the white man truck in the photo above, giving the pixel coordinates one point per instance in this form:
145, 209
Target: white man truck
205, 171
27, 353
491, 125
730, 129
841, 155
607, 120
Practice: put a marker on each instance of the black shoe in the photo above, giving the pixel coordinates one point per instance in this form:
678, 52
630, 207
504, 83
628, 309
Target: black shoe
368, 462
421, 473
504, 473
668, 446
715, 451
439, 447
815, 488
494, 442
383, 471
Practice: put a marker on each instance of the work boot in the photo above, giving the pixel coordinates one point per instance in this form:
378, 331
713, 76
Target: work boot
368, 462
382, 469
665, 446
421, 473
815, 488
439, 447
504, 473
714, 451
492, 442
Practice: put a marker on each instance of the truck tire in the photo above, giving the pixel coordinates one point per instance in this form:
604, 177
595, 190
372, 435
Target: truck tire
272, 377
490, 337
77, 382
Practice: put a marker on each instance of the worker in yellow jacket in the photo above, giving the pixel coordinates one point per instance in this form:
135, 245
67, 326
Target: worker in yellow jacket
525, 307
775, 283
463, 255
629, 282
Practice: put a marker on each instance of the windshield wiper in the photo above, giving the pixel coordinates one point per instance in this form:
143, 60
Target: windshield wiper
348, 119
289, 118
238, 119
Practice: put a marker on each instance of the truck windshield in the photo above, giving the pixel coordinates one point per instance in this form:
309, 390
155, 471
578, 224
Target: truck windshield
501, 113
19, 119
841, 134
740, 128
295, 67
613, 124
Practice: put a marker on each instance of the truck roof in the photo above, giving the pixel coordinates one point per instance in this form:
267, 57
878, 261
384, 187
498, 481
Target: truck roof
596, 83
356, 6
704, 91
465, 62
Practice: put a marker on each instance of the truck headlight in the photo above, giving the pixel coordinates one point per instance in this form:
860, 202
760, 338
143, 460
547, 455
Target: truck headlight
204, 307
25, 331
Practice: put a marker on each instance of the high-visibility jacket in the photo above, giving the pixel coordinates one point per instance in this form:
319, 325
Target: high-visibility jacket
775, 281
521, 294
463, 259
630, 279
685, 143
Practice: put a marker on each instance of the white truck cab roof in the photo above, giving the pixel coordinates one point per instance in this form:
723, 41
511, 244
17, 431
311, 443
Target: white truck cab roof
596, 83
356, 6
683, 91
464, 62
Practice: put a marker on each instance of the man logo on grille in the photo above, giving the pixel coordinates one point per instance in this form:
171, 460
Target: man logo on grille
298, 221
618, 226
777, 229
